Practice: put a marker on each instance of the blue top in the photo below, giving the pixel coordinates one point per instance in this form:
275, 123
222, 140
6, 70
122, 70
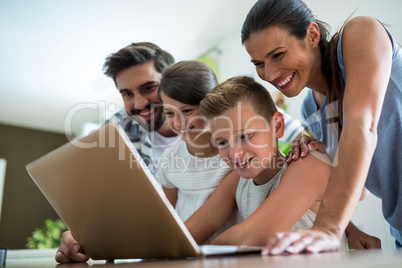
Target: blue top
384, 179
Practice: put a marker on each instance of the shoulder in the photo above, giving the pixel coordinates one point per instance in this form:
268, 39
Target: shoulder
308, 175
361, 21
314, 165
363, 28
312, 159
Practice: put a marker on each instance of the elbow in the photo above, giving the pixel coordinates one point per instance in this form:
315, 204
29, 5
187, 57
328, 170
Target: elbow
370, 136
363, 129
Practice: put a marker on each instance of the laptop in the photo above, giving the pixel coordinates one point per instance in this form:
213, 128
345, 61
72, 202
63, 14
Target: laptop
110, 201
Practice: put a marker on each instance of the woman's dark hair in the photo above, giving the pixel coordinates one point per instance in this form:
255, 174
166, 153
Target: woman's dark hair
187, 82
294, 16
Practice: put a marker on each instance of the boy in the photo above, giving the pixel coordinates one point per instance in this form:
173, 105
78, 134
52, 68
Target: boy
246, 126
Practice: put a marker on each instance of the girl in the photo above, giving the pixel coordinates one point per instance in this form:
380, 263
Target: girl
191, 170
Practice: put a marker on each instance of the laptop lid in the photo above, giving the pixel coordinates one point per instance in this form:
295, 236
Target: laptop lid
109, 200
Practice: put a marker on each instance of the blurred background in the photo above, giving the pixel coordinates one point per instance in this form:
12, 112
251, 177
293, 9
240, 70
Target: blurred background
52, 84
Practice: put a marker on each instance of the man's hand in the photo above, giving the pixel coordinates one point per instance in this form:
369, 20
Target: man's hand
70, 250
360, 240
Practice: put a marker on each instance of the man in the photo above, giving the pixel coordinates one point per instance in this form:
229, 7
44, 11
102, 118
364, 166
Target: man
137, 70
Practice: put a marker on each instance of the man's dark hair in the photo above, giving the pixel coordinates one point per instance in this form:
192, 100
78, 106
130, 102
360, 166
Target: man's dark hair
136, 54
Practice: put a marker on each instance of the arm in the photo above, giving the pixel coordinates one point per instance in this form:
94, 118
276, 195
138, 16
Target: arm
300, 189
215, 211
357, 239
162, 176
367, 52
171, 194
364, 194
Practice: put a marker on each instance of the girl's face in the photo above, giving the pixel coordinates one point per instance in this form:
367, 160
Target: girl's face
284, 61
247, 142
185, 120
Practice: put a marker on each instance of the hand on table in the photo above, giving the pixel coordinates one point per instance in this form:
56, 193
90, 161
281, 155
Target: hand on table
70, 250
309, 240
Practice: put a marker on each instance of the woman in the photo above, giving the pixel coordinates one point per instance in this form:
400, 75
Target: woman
355, 80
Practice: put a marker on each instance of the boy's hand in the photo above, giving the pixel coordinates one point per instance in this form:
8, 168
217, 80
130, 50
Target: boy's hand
70, 250
302, 145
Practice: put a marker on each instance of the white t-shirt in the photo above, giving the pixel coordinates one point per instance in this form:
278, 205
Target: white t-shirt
159, 145
194, 177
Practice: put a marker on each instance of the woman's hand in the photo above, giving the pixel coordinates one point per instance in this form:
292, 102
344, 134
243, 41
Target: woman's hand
301, 145
311, 241
70, 250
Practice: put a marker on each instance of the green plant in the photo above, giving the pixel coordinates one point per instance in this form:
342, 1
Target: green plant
284, 147
48, 236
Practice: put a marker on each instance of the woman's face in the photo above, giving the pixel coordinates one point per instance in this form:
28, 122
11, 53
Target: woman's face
185, 120
283, 60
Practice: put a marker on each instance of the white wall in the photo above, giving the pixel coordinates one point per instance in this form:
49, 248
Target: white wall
232, 59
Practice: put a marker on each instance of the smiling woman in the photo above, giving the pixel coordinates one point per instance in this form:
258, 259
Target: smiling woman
351, 112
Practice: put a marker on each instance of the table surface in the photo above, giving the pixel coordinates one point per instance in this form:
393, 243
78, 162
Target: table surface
368, 258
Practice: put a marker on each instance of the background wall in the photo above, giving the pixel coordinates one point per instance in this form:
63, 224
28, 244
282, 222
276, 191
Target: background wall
24, 207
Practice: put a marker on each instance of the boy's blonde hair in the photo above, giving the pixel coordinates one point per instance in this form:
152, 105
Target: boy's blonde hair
239, 88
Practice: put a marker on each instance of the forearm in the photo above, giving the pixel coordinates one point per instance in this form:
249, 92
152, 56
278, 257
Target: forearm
350, 228
200, 227
347, 178
238, 235
229, 237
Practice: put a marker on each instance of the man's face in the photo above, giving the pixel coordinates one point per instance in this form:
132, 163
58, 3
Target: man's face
138, 86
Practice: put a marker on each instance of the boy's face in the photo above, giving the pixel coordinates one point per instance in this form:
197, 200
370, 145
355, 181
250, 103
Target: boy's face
247, 142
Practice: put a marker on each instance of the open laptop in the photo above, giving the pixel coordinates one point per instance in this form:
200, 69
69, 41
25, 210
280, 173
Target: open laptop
110, 201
